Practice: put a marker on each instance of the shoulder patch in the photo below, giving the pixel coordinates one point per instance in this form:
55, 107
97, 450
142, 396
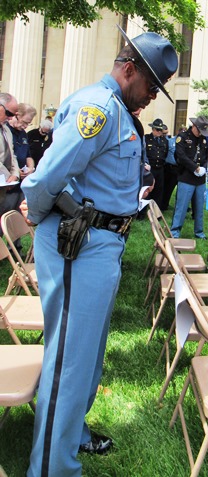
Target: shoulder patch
178, 139
90, 121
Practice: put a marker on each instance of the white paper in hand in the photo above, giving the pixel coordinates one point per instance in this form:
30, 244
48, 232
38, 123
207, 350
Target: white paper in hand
142, 202
3, 182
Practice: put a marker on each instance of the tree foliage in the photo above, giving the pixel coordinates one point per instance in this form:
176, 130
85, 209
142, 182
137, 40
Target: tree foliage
202, 87
155, 13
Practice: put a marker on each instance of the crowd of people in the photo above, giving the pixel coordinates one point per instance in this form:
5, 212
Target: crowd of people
20, 151
181, 161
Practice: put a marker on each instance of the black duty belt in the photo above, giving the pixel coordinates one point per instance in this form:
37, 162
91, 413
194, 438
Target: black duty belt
113, 223
102, 220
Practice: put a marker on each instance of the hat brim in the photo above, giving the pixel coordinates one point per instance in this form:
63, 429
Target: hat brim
155, 127
203, 132
139, 54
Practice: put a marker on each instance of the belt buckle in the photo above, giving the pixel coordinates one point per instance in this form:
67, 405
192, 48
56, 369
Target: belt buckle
126, 224
114, 225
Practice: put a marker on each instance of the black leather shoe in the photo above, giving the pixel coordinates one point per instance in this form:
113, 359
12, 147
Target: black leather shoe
98, 445
201, 238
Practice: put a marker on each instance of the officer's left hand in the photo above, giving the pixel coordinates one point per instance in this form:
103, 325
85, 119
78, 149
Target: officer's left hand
200, 171
148, 190
24, 210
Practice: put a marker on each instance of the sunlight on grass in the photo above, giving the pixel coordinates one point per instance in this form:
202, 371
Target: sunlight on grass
126, 404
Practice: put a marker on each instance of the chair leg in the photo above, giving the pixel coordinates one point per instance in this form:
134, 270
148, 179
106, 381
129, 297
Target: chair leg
150, 287
180, 400
149, 263
200, 458
32, 405
4, 417
152, 302
170, 374
166, 346
39, 337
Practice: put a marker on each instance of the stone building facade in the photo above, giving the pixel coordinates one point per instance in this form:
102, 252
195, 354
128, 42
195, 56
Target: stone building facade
43, 65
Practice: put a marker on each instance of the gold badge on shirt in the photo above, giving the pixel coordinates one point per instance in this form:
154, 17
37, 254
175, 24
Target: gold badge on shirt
90, 121
178, 139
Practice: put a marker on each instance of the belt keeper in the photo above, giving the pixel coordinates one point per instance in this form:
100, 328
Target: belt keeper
125, 226
98, 220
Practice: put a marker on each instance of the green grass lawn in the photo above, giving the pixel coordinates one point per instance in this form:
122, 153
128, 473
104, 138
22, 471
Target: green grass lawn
126, 404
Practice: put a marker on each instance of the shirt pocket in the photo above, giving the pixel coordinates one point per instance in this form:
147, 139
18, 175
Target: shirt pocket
128, 163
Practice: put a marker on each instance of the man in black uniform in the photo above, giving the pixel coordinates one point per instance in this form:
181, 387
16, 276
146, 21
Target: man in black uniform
156, 151
40, 139
191, 154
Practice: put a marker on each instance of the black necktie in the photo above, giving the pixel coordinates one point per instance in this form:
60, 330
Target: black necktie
138, 125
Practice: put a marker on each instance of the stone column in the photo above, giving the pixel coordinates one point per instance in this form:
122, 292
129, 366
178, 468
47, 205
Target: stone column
79, 54
199, 64
26, 60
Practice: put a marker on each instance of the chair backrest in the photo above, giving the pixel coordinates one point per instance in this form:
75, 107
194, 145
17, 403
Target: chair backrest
158, 232
174, 259
14, 227
5, 253
159, 215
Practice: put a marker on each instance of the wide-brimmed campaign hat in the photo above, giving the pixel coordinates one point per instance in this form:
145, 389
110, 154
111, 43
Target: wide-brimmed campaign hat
158, 55
202, 124
157, 124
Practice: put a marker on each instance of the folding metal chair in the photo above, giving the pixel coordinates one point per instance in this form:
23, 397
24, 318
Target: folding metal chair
193, 262
21, 313
14, 227
192, 307
20, 369
198, 382
166, 287
181, 244
17, 278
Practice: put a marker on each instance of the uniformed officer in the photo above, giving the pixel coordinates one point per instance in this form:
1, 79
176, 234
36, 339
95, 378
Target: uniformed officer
157, 150
170, 170
96, 150
191, 154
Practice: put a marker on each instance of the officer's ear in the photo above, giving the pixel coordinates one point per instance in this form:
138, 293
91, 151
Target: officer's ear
129, 69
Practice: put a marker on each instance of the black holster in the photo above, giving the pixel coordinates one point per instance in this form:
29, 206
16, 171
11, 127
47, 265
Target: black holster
74, 224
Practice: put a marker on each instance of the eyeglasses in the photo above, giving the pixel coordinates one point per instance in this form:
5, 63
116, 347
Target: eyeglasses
153, 86
8, 113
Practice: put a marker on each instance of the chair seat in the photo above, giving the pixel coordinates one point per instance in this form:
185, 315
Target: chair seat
200, 281
183, 244
30, 268
23, 312
20, 368
193, 262
200, 368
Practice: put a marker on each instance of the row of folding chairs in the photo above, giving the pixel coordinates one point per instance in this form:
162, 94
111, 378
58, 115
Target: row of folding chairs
20, 364
174, 271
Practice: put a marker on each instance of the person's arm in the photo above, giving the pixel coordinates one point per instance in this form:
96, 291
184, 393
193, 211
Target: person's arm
30, 164
67, 157
182, 157
14, 171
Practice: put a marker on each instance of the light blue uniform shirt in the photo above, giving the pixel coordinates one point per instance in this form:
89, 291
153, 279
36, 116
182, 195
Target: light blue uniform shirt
96, 150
